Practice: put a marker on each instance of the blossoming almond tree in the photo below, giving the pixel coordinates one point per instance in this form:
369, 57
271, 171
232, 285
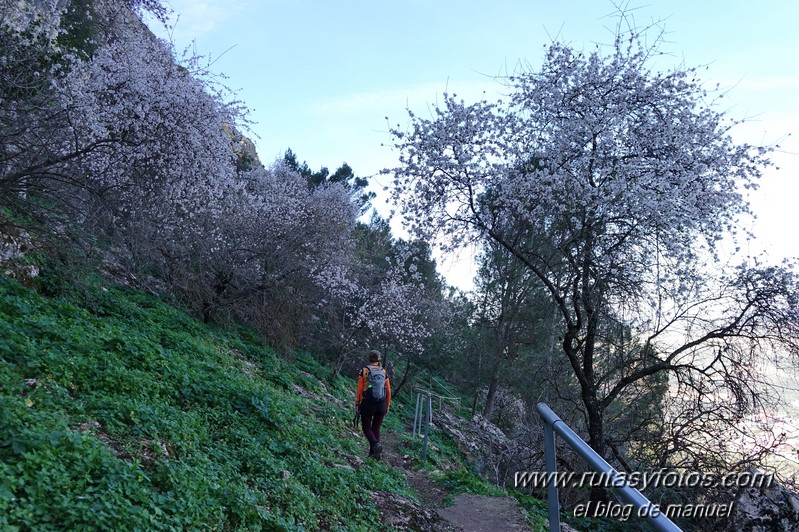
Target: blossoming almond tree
108, 135
380, 298
613, 184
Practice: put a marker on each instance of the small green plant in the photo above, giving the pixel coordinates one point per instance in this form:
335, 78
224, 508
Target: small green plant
465, 481
535, 510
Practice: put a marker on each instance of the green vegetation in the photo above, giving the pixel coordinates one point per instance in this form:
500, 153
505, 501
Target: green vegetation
118, 411
465, 481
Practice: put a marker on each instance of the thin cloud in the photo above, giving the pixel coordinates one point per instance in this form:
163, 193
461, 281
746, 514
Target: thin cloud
414, 97
762, 83
195, 19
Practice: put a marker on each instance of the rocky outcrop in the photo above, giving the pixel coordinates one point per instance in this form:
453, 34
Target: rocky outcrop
496, 456
15, 244
765, 509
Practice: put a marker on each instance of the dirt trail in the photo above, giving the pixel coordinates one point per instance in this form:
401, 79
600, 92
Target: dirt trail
469, 513
478, 513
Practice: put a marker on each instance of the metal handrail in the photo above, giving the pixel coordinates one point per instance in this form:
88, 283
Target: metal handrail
424, 413
453, 400
553, 424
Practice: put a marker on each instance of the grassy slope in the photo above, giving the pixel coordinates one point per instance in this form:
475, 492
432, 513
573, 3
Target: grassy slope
123, 413
119, 412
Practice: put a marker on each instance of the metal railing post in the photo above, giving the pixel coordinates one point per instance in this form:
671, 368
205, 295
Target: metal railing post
416, 414
423, 414
553, 424
428, 420
552, 486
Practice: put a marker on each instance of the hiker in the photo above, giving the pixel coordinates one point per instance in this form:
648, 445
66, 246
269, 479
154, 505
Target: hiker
372, 400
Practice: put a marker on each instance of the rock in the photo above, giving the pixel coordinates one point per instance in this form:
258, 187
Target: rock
401, 513
496, 456
765, 509
324, 397
15, 244
354, 461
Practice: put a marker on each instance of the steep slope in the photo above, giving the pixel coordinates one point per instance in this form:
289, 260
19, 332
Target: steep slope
119, 412
123, 412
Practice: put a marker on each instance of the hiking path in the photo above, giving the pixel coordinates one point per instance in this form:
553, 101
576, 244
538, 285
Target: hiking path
467, 513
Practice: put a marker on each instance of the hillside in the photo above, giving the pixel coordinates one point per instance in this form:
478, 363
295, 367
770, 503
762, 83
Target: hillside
120, 412
125, 162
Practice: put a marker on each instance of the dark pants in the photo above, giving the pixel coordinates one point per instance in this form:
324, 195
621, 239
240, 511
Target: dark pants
372, 415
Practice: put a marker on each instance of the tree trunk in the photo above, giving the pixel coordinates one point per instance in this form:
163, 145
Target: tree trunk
395, 391
596, 439
582, 361
208, 312
493, 384
593, 406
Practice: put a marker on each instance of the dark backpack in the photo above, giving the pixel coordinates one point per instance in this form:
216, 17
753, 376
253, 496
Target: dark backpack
376, 384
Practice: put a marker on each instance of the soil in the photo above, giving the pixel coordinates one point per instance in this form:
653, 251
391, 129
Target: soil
468, 513
478, 513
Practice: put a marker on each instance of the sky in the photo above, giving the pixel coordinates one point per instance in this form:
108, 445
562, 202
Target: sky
323, 77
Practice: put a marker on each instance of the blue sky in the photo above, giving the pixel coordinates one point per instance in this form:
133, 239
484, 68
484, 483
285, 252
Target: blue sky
321, 76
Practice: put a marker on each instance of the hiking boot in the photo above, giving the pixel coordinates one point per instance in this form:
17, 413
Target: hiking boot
378, 450
372, 447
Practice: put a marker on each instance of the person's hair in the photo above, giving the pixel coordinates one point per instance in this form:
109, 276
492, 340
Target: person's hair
374, 355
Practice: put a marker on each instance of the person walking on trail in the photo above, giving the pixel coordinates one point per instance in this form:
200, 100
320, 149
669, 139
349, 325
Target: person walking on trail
372, 401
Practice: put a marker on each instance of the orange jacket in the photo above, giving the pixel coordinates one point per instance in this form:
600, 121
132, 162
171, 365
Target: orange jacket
362, 383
